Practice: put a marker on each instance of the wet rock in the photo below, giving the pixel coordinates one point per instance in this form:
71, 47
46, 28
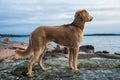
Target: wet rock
87, 48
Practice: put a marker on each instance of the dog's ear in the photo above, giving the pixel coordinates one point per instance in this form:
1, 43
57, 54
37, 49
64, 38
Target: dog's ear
77, 13
83, 13
80, 13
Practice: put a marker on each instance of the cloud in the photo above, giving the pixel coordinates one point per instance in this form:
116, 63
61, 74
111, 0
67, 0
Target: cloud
31, 13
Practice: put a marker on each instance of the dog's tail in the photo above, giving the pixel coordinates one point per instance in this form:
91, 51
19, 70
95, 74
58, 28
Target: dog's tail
26, 52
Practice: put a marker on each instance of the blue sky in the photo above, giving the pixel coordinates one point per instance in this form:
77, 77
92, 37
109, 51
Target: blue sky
23, 16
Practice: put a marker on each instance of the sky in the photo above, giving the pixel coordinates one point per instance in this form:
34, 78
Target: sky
23, 16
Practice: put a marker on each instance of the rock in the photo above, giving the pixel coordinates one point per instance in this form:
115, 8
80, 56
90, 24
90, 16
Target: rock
60, 49
14, 48
53, 55
20, 71
66, 50
111, 56
87, 48
117, 53
50, 48
106, 52
86, 56
91, 69
98, 52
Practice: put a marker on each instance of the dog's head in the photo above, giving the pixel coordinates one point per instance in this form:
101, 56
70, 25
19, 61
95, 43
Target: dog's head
83, 15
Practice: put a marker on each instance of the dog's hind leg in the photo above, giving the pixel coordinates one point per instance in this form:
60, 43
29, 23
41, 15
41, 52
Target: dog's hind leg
40, 62
33, 59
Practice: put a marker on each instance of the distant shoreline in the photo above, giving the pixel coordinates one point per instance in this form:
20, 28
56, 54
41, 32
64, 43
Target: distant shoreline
15, 35
12, 35
102, 34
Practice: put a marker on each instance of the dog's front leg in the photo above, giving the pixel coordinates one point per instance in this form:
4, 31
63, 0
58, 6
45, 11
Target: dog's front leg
71, 59
75, 58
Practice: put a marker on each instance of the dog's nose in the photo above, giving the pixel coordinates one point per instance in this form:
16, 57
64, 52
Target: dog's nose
91, 18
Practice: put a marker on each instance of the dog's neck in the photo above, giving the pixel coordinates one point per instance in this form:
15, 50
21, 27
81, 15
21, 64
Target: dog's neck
78, 23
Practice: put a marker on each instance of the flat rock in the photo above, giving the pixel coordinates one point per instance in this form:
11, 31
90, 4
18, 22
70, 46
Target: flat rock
91, 69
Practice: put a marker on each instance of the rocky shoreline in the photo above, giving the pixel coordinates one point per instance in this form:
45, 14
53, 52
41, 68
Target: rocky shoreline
7, 52
100, 65
91, 69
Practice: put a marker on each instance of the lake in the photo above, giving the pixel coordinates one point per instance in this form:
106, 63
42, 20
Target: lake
109, 43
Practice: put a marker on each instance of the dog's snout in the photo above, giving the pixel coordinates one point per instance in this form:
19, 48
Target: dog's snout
91, 18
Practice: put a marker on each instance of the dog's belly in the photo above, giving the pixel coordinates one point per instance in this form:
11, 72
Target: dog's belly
67, 41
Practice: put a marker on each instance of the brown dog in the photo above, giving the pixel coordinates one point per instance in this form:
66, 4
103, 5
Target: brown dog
69, 35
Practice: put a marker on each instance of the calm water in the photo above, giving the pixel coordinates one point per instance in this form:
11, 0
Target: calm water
109, 43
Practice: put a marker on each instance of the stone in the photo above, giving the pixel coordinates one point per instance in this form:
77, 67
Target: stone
105, 52
117, 53
98, 52
87, 48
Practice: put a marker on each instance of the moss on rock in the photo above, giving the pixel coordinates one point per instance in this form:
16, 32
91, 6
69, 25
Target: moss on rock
91, 69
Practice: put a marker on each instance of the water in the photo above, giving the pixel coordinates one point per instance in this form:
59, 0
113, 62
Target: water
109, 43
17, 39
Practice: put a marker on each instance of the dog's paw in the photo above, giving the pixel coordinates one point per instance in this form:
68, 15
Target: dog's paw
31, 75
77, 71
44, 69
71, 68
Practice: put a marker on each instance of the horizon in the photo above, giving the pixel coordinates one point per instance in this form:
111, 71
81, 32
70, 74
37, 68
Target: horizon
95, 34
23, 16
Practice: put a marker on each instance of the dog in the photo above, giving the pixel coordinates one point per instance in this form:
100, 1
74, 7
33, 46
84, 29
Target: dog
69, 35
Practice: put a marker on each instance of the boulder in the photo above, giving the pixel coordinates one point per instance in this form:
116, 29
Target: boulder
87, 48
61, 49
117, 53
104, 51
